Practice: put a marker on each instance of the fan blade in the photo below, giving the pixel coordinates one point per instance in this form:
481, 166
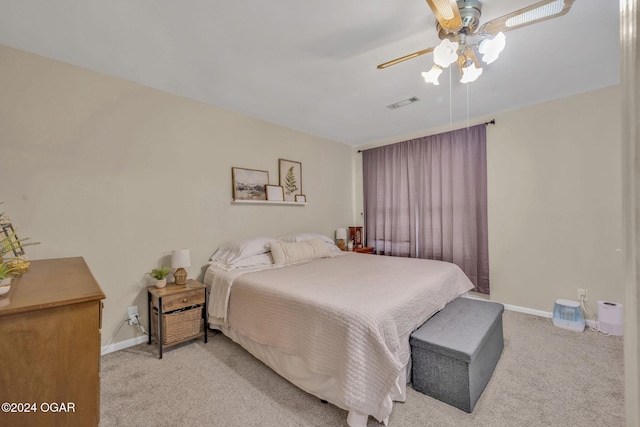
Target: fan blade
447, 14
537, 12
405, 58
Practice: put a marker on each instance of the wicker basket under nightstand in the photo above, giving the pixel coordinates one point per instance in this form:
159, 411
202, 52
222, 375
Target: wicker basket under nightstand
177, 313
178, 326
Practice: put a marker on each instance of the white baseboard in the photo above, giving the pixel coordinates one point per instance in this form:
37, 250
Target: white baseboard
590, 323
121, 345
528, 310
516, 308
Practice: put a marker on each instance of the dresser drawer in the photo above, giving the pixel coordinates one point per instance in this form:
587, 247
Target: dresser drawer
183, 299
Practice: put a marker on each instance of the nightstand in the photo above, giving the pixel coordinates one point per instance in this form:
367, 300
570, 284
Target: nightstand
364, 250
177, 313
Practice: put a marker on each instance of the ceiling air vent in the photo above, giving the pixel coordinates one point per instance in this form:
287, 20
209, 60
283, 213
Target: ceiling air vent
403, 103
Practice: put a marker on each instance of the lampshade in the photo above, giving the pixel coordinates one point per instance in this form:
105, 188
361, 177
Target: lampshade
491, 48
432, 75
469, 67
341, 234
180, 258
470, 73
445, 53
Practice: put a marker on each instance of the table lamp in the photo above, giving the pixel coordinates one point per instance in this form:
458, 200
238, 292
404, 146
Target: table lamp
341, 238
180, 258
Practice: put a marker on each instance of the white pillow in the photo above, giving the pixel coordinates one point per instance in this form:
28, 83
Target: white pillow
301, 237
236, 250
289, 253
261, 260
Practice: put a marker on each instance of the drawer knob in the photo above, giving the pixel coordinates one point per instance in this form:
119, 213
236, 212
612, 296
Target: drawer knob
185, 300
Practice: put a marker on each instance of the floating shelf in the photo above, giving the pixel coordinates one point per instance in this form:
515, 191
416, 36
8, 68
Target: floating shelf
266, 202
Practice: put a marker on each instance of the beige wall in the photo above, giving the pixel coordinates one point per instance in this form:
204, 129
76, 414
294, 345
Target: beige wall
554, 201
121, 174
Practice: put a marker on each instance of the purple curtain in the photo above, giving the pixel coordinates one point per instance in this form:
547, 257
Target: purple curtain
427, 198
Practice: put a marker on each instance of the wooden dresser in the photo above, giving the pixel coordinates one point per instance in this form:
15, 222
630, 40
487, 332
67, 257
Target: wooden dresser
50, 346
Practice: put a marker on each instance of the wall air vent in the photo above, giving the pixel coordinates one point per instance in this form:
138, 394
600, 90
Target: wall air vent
403, 103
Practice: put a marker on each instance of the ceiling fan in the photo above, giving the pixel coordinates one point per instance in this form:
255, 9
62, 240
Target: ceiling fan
458, 21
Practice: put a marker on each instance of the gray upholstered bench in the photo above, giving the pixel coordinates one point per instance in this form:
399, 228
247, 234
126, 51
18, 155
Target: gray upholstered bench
455, 352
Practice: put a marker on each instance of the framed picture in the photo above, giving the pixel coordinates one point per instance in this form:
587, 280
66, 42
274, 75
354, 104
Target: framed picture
10, 240
290, 178
249, 184
355, 234
301, 198
275, 193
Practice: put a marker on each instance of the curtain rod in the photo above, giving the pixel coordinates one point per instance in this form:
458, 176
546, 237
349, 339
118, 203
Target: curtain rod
490, 122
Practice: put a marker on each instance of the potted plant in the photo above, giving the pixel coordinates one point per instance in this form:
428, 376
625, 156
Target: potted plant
160, 274
5, 277
12, 247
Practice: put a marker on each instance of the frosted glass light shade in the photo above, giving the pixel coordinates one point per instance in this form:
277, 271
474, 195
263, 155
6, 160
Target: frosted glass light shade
446, 53
180, 258
341, 234
491, 48
432, 75
470, 74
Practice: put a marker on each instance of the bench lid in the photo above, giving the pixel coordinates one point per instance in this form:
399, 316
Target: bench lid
460, 329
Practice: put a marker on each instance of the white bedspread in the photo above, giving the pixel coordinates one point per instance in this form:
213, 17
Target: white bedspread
347, 317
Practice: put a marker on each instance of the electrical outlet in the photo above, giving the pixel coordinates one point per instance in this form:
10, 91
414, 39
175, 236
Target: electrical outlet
132, 315
582, 294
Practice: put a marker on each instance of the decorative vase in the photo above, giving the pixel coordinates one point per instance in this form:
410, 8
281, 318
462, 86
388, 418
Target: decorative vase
5, 285
161, 283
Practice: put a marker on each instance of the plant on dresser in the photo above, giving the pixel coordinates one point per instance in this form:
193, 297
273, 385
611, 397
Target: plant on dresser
5, 271
5, 278
12, 255
160, 274
10, 244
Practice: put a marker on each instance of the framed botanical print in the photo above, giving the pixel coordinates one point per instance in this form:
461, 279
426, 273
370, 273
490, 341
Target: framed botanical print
290, 178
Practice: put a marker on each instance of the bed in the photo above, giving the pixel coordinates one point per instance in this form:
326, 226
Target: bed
336, 324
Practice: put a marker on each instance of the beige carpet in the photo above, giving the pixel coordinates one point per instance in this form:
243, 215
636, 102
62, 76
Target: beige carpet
546, 377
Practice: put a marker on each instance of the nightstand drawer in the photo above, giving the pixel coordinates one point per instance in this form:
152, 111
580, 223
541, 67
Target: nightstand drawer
183, 299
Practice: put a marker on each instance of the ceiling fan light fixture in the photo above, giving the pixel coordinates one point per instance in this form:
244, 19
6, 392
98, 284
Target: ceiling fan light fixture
445, 53
469, 67
538, 13
470, 73
459, 19
432, 75
491, 48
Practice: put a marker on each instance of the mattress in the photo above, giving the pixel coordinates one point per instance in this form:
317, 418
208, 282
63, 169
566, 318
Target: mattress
336, 327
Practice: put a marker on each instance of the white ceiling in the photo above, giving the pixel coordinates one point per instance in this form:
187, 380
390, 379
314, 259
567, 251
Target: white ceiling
311, 66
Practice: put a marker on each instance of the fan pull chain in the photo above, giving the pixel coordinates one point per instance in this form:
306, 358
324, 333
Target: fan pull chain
450, 102
467, 105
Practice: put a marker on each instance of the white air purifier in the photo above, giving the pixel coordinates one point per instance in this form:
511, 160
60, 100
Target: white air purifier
567, 314
610, 318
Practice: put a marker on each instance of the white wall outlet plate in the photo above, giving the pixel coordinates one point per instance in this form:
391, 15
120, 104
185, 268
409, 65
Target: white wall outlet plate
132, 314
582, 293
